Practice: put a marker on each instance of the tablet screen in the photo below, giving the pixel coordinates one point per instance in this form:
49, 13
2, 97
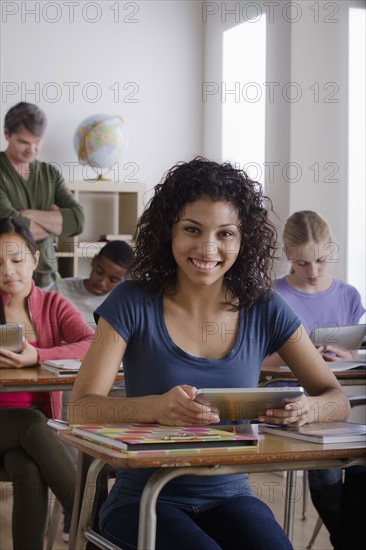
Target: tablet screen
11, 336
346, 337
246, 403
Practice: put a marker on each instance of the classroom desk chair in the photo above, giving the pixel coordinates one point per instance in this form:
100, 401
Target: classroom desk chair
355, 401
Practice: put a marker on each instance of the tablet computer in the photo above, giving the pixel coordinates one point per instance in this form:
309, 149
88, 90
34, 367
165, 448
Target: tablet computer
346, 336
11, 337
246, 403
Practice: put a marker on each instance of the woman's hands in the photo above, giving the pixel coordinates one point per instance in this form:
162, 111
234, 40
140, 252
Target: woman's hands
178, 408
28, 357
296, 413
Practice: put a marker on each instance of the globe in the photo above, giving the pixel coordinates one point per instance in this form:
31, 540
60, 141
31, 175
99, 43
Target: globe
100, 141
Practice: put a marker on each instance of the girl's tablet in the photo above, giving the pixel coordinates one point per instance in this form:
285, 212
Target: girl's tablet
346, 337
246, 403
11, 337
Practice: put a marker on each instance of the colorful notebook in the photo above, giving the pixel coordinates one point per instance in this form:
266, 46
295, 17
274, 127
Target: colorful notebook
155, 438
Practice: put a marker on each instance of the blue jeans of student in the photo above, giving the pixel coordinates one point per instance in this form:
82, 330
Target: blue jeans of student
236, 523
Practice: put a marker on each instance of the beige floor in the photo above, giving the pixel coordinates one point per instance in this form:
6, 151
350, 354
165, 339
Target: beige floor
269, 487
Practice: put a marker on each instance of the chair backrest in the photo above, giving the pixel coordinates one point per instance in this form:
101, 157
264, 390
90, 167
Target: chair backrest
357, 400
3, 473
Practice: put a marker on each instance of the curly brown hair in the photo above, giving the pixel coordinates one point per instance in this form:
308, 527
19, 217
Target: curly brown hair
248, 280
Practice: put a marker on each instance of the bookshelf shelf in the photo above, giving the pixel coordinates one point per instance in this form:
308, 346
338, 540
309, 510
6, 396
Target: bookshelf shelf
110, 208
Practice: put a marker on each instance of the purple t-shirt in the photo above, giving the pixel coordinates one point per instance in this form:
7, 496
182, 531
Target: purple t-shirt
339, 305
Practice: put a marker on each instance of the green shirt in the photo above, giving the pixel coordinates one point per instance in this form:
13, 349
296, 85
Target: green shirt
44, 187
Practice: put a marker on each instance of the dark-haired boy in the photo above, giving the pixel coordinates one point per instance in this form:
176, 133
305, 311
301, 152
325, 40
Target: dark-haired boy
109, 267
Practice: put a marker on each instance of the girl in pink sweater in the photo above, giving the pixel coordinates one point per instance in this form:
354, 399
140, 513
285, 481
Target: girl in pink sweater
53, 328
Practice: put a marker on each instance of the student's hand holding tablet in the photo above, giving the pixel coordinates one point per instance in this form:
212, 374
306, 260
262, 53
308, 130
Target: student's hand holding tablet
15, 350
178, 407
335, 343
282, 405
28, 357
332, 353
295, 413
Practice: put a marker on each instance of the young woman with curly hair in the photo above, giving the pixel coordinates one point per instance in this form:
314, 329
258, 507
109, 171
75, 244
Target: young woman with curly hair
198, 312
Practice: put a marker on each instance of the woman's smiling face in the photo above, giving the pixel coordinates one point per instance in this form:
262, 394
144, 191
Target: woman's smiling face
206, 240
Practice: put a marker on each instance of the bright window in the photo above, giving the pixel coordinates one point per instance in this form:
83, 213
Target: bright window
243, 96
356, 152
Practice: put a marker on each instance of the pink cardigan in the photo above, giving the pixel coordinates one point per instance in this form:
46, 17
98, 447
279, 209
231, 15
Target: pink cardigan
61, 332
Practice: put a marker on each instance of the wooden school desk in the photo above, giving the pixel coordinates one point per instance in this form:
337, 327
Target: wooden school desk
355, 377
274, 454
352, 377
36, 379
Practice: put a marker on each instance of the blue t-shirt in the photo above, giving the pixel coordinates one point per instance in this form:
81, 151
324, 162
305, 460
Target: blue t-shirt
153, 364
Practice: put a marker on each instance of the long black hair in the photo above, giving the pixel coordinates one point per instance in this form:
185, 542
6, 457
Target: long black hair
249, 279
14, 226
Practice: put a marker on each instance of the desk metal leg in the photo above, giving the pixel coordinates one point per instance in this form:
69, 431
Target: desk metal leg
288, 523
305, 487
87, 503
84, 462
147, 517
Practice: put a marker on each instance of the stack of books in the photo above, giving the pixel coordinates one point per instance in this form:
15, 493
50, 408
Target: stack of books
61, 367
321, 432
140, 439
65, 367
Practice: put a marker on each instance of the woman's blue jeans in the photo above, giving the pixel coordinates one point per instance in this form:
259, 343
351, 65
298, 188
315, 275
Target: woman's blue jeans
236, 523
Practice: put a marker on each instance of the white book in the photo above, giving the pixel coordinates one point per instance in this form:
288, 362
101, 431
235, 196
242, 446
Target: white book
117, 237
63, 364
337, 366
321, 432
59, 372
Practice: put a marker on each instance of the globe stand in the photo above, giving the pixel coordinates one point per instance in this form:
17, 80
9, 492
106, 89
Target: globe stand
101, 177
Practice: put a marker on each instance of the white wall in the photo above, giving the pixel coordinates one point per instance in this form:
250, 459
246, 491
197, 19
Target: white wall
306, 121
164, 52
319, 120
151, 48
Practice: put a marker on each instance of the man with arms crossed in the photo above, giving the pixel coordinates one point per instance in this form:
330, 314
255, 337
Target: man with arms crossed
35, 191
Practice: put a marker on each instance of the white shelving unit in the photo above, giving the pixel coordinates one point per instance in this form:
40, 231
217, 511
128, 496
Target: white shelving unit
110, 208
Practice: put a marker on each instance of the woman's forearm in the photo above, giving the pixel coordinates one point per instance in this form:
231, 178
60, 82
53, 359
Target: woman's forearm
95, 409
332, 406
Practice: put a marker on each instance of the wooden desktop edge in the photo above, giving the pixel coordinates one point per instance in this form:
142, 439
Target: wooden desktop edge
268, 372
35, 379
272, 449
276, 373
